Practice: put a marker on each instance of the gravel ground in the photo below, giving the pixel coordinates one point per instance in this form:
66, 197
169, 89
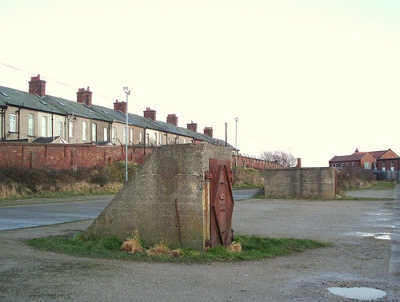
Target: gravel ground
356, 259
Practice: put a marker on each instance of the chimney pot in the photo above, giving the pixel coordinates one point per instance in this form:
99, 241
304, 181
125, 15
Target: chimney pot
37, 86
151, 114
192, 126
120, 106
208, 131
84, 96
172, 119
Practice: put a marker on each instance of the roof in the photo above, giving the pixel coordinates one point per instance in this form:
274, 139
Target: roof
358, 156
352, 157
74, 108
17, 98
61, 106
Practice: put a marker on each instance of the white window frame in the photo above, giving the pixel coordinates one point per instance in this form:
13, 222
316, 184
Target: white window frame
114, 134
130, 136
60, 128
367, 165
94, 132
31, 124
84, 131
13, 122
105, 134
43, 126
124, 136
71, 129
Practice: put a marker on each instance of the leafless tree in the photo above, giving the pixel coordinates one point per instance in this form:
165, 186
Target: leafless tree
279, 157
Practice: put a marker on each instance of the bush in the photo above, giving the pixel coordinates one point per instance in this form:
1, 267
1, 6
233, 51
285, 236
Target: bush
354, 177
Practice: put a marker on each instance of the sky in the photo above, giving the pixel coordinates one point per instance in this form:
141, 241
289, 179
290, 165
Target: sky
313, 78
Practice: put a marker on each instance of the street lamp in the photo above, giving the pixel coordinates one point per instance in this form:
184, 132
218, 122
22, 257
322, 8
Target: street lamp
127, 92
236, 120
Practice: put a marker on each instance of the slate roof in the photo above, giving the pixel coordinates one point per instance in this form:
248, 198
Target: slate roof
352, 157
61, 106
74, 108
23, 99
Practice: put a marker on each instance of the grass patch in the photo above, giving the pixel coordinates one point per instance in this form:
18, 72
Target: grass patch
252, 248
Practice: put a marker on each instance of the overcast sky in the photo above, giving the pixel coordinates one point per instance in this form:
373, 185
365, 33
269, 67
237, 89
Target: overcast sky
316, 78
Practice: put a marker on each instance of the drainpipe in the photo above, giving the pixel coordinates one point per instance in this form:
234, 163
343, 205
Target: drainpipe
3, 125
19, 122
52, 124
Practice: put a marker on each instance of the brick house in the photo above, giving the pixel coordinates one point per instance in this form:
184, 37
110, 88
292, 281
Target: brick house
372, 160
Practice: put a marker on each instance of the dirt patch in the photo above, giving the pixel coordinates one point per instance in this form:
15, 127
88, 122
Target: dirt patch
354, 260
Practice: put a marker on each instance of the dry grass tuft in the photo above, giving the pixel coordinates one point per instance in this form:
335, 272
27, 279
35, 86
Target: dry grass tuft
132, 245
176, 253
234, 247
158, 250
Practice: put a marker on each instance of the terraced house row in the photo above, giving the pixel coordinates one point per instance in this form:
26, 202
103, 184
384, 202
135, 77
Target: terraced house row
37, 117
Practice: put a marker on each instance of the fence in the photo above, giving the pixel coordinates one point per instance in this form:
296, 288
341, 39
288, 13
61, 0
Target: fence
387, 175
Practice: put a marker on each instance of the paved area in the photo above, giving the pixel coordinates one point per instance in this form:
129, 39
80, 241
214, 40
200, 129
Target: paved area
364, 253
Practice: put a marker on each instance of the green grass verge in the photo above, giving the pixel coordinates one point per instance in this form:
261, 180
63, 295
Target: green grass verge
253, 248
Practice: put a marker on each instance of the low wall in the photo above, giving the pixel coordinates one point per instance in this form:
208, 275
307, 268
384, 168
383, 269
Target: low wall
74, 156
301, 183
66, 157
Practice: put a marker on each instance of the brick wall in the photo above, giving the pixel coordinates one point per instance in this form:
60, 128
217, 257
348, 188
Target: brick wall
73, 156
65, 157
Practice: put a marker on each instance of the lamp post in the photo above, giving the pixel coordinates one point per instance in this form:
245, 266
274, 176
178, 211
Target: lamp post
127, 92
236, 120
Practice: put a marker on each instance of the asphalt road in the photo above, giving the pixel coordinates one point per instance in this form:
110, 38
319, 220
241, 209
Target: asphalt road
364, 253
33, 213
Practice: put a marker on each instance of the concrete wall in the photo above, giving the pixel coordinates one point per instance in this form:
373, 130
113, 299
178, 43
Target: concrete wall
300, 183
166, 200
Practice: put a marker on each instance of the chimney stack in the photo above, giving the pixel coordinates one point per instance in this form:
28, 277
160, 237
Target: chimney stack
37, 86
151, 114
172, 119
120, 106
208, 131
356, 150
192, 126
84, 96
298, 163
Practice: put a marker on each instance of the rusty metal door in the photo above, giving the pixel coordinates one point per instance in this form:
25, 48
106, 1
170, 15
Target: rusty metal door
221, 202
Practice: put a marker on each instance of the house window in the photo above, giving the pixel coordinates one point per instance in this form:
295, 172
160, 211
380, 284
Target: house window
71, 129
353, 163
13, 123
31, 125
141, 137
392, 165
155, 139
161, 139
367, 165
1, 126
114, 134
131, 136
84, 131
124, 137
342, 165
59, 129
94, 132
383, 166
43, 132
105, 134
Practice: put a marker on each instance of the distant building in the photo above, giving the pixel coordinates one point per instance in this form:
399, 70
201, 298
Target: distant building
385, 160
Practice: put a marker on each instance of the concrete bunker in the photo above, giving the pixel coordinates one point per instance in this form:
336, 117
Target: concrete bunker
182, 194
301, 183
